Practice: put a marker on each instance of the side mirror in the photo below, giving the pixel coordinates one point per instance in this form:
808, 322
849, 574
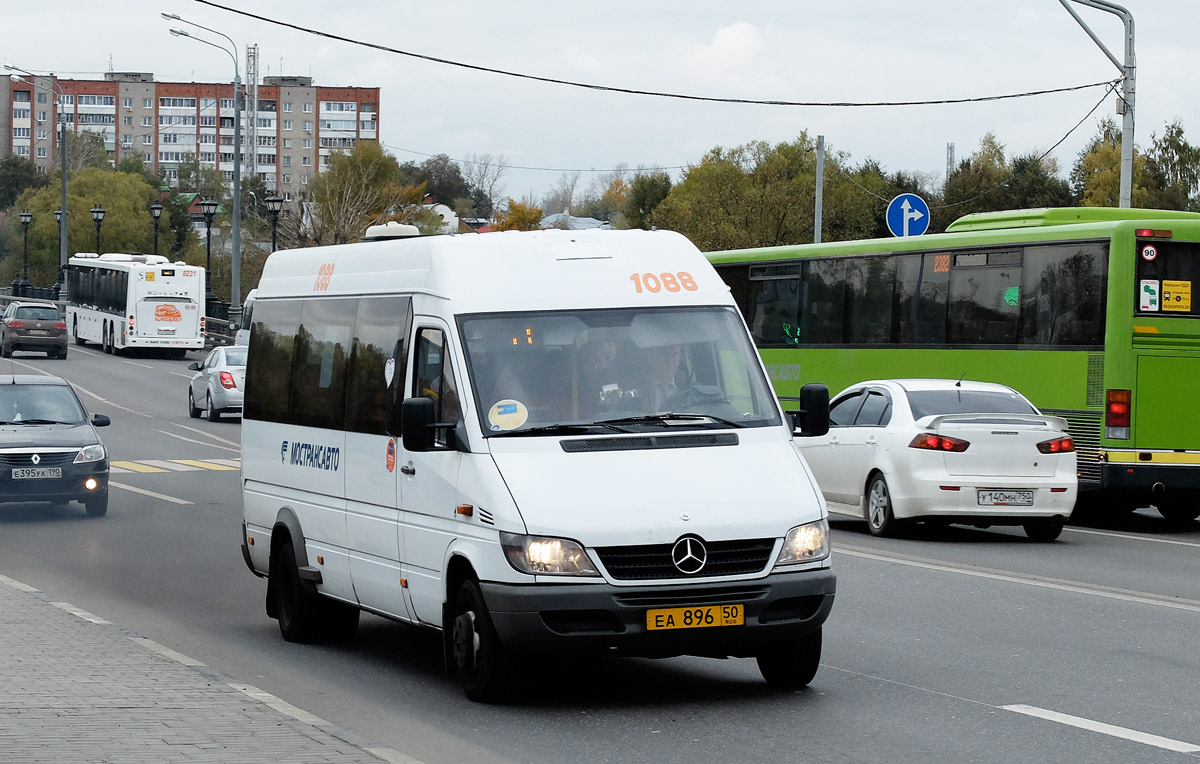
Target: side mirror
101, 420
193, 366
416, 423
813, 417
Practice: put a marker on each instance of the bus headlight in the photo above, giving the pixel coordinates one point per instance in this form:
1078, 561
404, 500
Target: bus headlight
90, 454
540, 555
805, 543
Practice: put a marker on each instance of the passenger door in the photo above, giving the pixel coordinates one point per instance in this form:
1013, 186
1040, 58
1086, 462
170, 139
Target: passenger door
374, 389
859, 441
428, 479
823, 453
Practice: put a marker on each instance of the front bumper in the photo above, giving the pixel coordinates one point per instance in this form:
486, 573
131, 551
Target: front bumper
70, 487
582, 619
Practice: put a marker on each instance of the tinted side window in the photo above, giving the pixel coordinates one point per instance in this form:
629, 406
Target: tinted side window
985, 298
872, 411
378, 359
869, 295
1063, 297
319, 369
922, 287
773, 304
433, 377
843, 411
269, 363
822, 317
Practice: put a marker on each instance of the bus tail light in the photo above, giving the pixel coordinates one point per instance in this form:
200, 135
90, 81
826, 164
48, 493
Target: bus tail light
1056, 446
1117, 407
203, 327
227, 381
1152, 233
931, 442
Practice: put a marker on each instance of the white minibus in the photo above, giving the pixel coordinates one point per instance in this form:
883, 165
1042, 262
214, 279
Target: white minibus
539, 443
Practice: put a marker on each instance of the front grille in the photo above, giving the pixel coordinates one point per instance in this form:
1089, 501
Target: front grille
47, 460
1085, 428
653, 561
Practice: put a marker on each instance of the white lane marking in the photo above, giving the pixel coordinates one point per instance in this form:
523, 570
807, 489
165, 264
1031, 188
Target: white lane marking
1107, 729
200, 442
227, 462
151, 494
165, 651
117, 470
205, 434
31, 368
85, 615
1143, 598
1131, 537
178, 374
131, 363
170, 466
279, 705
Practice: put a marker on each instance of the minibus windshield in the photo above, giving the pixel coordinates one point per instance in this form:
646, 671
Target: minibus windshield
575, 372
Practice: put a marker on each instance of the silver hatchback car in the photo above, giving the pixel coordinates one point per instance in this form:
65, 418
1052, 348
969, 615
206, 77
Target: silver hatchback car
217, 386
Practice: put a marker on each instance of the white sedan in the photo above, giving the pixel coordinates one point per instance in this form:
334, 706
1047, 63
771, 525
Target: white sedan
941, 450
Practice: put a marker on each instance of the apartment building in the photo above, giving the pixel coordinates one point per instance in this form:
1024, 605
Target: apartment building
289, 126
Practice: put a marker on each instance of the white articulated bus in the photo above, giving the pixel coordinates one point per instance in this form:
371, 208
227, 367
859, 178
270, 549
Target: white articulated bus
123, 301
552, 442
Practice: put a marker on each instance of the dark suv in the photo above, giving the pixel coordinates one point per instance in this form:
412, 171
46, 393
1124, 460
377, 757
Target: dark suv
35, 326
49, 449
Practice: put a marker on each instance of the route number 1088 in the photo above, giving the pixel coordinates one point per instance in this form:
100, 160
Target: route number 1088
672, 282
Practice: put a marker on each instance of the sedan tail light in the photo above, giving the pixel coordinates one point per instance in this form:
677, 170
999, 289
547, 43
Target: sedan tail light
931, 442
1056, 446
228, 383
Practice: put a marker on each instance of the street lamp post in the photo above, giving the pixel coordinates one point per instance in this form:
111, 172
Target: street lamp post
58, 285
26, 219
156, 212
235, 297
274, 205
209, 208
62, 153
98, 218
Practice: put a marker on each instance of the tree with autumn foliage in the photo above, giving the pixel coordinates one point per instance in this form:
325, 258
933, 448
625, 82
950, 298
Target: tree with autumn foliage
519, 217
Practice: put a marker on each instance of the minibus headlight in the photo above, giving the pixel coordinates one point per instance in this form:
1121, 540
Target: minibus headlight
805, 543
90, 454
540, 556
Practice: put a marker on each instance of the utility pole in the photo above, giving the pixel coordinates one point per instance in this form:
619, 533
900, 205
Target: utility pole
820, 189
1128, 69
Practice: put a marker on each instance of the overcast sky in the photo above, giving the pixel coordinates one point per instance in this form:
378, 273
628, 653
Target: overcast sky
828, 51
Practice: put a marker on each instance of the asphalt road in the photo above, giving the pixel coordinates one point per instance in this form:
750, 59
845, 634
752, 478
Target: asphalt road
945, 645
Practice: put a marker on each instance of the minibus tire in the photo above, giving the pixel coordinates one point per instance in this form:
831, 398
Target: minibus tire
298, 611
340, 622
484, 671
792, 664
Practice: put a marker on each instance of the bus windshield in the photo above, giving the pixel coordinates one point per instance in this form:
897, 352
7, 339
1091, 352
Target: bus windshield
543, 370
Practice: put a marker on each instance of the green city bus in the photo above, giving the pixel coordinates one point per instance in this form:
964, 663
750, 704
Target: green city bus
1087, 311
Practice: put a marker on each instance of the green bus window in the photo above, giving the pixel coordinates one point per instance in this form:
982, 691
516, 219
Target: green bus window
984, 302
1063, 294
823, 305
1177, 262
869, 297
772, 305
922, 289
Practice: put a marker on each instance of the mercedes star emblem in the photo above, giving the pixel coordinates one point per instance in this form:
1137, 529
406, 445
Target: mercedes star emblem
689, 555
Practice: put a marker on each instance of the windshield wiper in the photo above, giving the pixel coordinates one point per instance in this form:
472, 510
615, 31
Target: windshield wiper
36, 421
664, 419
561, 429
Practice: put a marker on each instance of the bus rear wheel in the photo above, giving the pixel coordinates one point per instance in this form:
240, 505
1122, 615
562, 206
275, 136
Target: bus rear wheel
1178, 510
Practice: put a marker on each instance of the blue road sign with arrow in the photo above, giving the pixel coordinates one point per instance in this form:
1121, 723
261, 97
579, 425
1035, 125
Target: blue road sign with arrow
907, 215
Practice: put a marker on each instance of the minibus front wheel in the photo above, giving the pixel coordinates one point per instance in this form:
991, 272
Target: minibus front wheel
482, 662
792, 664
297, 610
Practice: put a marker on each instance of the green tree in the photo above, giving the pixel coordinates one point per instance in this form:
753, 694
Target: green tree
361, 188
205, 181
85, 149
127, 225
646, 191
443, 180
1096, 175
1175, 165
16, 175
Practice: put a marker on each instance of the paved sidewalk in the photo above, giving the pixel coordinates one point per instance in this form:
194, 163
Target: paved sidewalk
76, 688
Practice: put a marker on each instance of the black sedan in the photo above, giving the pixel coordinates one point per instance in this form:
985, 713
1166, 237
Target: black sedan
49, 448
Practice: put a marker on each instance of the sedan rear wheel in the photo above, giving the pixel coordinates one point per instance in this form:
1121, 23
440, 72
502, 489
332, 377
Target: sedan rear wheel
1044, 530
193, 411
880, 520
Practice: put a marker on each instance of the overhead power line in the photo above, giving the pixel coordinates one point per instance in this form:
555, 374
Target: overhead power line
633, 91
